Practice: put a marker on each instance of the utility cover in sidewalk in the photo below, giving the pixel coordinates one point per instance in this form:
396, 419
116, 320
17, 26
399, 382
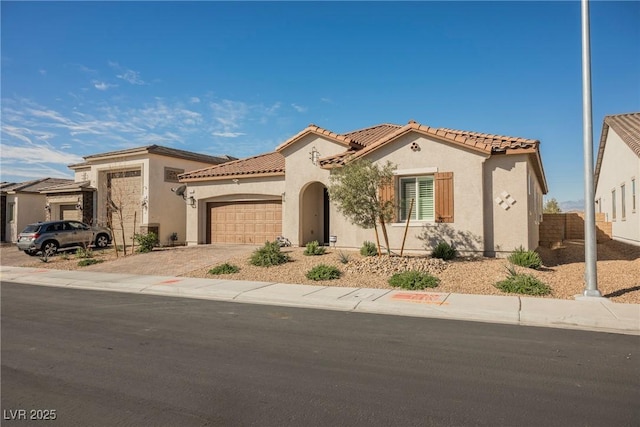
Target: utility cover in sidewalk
422, 298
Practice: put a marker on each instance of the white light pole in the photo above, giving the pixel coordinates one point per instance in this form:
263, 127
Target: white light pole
590, 248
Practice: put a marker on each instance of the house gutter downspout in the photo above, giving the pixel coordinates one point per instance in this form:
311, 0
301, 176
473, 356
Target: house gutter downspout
590, 248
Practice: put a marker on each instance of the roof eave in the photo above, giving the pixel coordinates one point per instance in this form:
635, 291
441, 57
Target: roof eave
231, 176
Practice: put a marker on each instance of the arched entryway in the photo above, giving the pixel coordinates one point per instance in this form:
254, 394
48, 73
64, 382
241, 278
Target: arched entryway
314, 214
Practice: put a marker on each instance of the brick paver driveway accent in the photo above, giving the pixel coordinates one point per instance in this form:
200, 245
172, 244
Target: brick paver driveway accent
161, 262
173, 261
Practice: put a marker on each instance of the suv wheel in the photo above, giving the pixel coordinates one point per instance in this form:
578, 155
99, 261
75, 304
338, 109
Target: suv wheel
49, 248
102, 241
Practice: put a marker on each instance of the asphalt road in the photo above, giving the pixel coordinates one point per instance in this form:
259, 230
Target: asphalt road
101, 358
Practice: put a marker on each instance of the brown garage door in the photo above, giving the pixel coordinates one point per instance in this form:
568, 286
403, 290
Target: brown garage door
244, 222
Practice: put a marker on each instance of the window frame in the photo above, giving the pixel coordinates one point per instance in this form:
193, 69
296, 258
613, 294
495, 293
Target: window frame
623, 208
403, 202
11, 211
613, 204
633, 195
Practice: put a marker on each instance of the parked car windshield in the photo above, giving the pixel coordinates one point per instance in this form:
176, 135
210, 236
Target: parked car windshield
31, 228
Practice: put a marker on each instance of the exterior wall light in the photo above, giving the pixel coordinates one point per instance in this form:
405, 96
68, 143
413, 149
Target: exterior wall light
315, 155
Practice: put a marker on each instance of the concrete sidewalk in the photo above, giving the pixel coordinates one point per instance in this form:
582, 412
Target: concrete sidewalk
595, 315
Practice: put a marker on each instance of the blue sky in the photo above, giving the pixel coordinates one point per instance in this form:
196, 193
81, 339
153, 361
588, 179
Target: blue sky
80, 78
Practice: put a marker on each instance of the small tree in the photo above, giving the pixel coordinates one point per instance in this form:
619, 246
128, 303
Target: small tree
551, 206
355, 188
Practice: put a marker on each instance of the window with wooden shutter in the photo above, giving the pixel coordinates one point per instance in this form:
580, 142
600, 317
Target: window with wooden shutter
444, 197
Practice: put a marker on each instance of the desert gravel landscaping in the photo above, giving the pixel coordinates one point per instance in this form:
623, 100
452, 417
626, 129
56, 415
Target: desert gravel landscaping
618, 272
618, 269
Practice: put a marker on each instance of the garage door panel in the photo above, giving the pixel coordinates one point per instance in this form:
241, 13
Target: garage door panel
69, 213
244, 222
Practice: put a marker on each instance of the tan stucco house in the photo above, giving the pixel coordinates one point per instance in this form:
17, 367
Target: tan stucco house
133, 185
616, 176
481, 192
23, 203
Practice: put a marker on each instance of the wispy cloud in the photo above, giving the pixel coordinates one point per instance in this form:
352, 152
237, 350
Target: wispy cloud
127, 74
102, 85
327, 100
46, 138
299, 108
39, 154
131, 76
42, 72
229, 115
228, 134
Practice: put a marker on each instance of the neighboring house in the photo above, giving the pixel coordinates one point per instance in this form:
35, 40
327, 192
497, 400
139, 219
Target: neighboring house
131, 190
22, 204
481, 192
616, 176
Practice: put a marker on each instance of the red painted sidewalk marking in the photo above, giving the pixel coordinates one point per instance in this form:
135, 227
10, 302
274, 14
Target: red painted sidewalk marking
436, 299
171, 281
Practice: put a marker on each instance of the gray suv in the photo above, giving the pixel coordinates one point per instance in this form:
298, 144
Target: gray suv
47, 237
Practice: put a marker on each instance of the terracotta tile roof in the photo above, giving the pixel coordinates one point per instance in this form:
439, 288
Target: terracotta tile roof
33, 186
360, 142
261, 165
341, 139
483, 142
498, 143
160, 150
371, 134
627, 126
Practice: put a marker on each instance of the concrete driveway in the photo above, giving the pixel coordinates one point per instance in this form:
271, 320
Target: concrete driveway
161, 262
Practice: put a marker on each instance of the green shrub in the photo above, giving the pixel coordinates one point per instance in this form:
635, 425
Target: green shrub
83, 253
517, 283
268, 255
527, 259
323, 272
225, 268
344, 258
89, 261
413, 280
314, 248
368, 249
444, 251
146, 242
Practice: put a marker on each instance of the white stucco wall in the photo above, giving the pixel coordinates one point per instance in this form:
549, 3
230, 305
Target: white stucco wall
300, 172
619, 166
166, 209
29, 208
506, 179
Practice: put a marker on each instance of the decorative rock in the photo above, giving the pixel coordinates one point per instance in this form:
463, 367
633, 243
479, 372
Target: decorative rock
389, 265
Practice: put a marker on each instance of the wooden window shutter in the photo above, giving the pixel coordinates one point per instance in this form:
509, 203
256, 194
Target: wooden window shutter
444, 197
387, 194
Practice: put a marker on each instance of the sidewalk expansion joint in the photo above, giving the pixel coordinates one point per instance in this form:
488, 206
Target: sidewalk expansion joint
612, 313
315, 290
254, 289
